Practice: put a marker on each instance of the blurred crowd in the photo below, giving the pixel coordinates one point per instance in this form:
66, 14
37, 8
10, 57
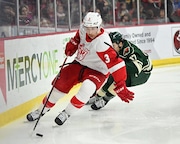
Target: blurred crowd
125, 12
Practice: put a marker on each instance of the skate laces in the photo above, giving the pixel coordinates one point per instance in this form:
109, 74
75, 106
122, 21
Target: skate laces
63, 116
35, 114
100, 103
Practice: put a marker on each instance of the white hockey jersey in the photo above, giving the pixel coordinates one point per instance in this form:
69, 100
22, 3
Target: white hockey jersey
87, 51
99, 55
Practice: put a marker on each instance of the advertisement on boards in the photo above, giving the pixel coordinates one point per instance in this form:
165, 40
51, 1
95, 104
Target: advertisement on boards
175, 33
27, 67
156, 40
3, 98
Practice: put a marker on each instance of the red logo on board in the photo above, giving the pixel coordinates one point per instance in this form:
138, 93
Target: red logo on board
177, 41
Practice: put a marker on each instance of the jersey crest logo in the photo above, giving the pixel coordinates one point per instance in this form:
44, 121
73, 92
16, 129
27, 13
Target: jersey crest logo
82, 52
126, 51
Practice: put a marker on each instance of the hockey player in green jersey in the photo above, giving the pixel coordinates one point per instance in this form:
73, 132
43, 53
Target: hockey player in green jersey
138, 66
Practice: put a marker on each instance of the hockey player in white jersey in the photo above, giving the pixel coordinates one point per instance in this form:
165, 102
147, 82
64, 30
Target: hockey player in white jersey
95, 60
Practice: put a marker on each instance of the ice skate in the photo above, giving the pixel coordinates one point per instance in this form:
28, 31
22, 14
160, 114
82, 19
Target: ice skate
33, 115
93, 99
61, 118
99, 104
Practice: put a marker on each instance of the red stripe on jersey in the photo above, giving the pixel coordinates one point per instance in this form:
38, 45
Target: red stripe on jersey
111, 59
77, 37
120, 75
77, 103
48, 104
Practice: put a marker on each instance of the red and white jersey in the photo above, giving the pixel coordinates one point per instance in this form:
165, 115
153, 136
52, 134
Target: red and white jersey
99, 55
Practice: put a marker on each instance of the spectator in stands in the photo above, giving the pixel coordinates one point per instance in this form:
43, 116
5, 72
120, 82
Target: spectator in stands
98, 11
50, 11
47, 12
44, 22
142, 12
177, 14
123, 10
25, 16
171, 11
177, 8
176, 4
31, 5
7, 19
7, 15
105, 9
150, 19
61, 15
153, 5
130, 5
75, 15
88, 6
126, 20
43, 4
142, 15
161, 18
126, 10
83, 10
43, 8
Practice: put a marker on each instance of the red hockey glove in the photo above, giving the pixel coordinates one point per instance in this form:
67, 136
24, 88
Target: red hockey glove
123, 92
71, 47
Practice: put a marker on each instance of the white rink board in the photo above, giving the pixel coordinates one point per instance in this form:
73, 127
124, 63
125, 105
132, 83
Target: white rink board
31, 67
156, 40
32, 62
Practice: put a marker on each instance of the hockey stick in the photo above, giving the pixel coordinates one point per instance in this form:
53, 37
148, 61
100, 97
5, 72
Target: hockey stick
49, 96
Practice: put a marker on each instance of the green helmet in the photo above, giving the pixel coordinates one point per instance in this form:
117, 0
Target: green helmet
116, 37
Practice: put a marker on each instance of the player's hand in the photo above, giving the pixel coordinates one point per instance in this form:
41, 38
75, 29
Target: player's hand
71, 47
122, 91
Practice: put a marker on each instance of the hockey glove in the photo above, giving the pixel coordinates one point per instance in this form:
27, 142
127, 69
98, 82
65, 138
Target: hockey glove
122, 91
71, 47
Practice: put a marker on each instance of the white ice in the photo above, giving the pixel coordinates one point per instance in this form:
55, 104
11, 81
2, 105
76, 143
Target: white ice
153, 117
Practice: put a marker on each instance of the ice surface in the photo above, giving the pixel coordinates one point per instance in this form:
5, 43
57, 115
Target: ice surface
152, 118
